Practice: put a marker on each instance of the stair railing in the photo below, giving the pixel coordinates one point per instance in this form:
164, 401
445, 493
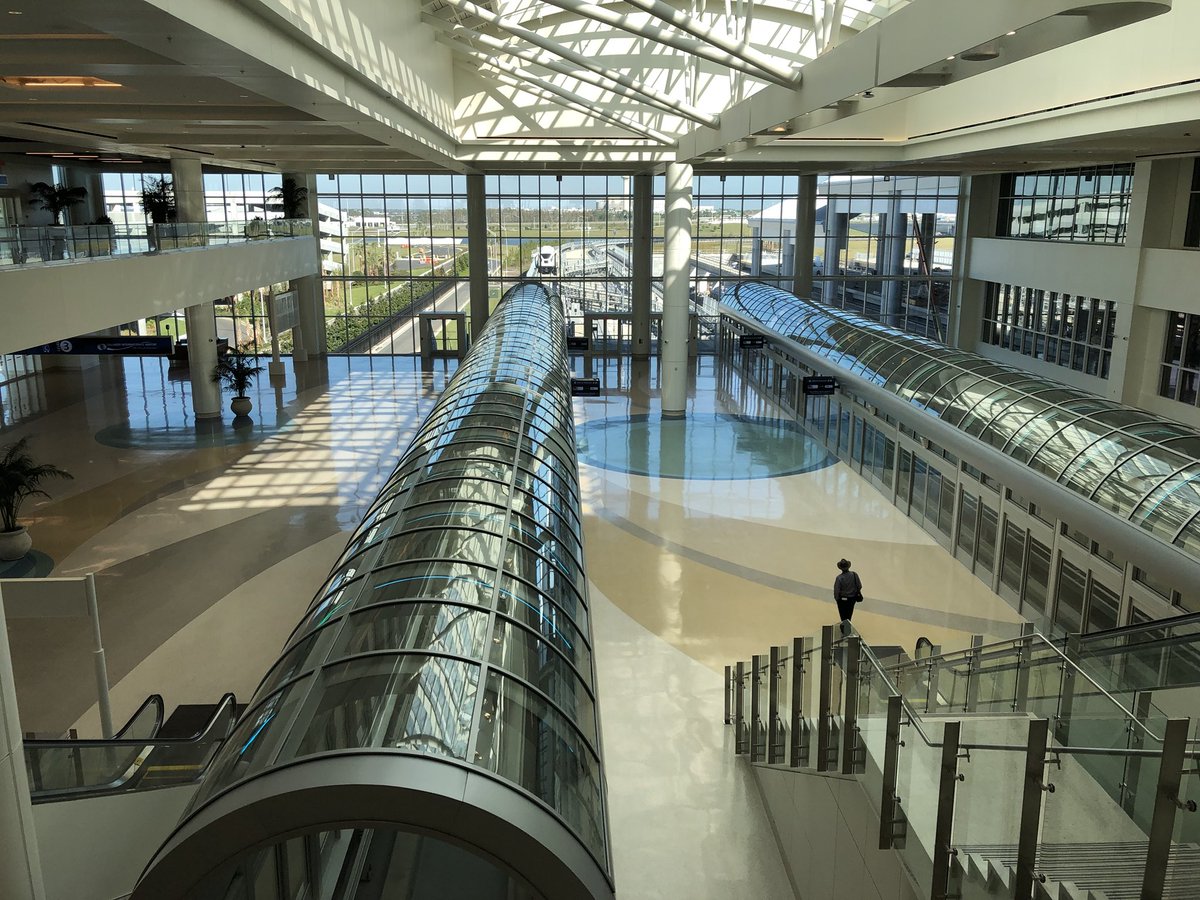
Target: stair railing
998, 747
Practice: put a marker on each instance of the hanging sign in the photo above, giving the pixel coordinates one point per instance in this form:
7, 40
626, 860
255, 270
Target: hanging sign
820, 385
752, 341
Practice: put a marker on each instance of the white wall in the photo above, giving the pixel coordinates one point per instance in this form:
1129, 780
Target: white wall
95, 849
20, 175
51, 301
829, 836
1146, 277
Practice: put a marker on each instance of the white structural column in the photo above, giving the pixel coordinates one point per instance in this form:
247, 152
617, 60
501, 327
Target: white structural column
806, 236
641, 262
676, 268
308, 339
188, 179
20, 865
977, 199
893, 239
477, 252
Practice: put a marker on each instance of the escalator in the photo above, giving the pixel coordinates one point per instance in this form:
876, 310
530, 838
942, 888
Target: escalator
145, 754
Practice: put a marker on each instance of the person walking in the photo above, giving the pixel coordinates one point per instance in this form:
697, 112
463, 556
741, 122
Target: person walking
847, 590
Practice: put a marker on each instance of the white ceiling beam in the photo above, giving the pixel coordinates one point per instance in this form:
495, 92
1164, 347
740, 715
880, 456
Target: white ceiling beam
604, 81
769, 67
663, 101
579, 102
667, 38
564, 98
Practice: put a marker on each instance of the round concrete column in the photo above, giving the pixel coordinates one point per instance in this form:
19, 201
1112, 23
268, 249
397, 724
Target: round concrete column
676, 268
188, 180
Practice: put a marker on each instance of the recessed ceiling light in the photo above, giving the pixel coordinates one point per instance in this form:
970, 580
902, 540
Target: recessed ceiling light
15, 12
948, 58
57, 81
1010, 33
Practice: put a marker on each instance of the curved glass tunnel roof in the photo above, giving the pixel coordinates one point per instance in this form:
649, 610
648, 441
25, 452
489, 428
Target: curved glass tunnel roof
1133, 464
455, 624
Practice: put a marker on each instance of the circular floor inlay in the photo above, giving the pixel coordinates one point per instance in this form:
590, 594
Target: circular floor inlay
704, 446
187, 437
33, 564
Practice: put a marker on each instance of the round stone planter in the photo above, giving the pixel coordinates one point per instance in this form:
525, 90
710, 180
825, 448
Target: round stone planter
241, 406
15, 544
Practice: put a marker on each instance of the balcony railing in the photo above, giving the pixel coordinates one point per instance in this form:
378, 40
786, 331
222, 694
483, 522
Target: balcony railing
22, 245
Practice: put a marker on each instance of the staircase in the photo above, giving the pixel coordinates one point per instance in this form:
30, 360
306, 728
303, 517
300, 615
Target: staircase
1001, 770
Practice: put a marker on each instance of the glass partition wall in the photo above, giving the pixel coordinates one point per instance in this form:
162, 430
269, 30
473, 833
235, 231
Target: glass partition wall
1131, 466
441, 681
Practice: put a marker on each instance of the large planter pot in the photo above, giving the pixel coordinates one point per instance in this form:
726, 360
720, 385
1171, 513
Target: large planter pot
241, 406
15, 544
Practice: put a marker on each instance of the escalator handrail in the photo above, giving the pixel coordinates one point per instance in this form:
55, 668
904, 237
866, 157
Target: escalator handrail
159, 710
228, 700
226, 708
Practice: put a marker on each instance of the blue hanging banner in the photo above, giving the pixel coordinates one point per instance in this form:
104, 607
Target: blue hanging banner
106, 346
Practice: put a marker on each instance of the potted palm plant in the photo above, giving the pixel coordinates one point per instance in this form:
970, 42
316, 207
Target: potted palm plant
292, 198
20, 477
56, 199
158, 202
237, 372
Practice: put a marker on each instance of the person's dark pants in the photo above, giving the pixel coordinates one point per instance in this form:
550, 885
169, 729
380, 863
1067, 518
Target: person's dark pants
845, 609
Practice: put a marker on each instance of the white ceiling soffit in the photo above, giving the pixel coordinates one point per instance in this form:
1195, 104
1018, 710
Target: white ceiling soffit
359, 83
923, 46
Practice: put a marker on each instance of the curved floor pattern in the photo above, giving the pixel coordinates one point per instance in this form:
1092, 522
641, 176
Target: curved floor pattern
238, 430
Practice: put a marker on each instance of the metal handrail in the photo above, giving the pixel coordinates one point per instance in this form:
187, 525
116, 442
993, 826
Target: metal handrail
914, 719
1157, 625
1019, 644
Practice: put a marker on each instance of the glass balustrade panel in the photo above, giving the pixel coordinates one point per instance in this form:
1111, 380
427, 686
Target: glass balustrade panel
987, 801
917, 778
874, 693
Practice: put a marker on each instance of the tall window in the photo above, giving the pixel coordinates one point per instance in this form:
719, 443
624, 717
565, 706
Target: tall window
392, 246
1179, 377
1090, 205
1064, 329
240, 196
1191, 235
884, 244
572, 228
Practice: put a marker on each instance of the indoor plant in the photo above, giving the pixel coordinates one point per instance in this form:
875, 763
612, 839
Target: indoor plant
55, 198
237, 372
158, 200
20, 477
292, 197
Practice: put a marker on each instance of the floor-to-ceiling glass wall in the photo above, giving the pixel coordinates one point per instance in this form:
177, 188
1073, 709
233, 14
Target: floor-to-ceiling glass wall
574, 229
883, 247
400, 246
